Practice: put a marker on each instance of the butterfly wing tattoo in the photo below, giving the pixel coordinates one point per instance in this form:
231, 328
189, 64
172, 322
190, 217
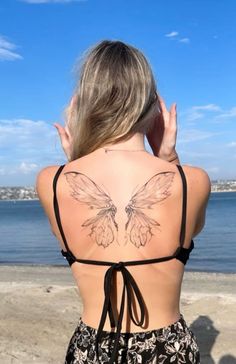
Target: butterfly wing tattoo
103, 225
139, 225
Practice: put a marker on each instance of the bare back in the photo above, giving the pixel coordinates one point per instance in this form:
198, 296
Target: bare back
125, 207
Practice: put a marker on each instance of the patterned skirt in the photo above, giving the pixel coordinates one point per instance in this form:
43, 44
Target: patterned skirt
175, 344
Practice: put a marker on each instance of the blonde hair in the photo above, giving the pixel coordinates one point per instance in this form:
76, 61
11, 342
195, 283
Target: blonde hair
115, 97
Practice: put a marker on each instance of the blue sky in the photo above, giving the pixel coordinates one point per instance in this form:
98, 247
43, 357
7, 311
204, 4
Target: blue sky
191, 46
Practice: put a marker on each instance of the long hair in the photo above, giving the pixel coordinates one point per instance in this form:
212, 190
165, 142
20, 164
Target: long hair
115, 97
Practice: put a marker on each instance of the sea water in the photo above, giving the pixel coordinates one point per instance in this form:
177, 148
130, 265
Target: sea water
26, 236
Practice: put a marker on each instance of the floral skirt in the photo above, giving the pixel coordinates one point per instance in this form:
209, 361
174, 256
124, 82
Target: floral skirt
175, 344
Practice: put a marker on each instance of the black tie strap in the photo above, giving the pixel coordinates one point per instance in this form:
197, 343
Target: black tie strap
130, 289
129, 285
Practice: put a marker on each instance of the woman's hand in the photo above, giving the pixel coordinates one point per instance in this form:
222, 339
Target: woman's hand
162, 137
64, 134
65, 139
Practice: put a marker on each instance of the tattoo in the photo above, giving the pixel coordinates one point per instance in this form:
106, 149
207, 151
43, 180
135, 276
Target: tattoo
139, 225
86, 191
104, 227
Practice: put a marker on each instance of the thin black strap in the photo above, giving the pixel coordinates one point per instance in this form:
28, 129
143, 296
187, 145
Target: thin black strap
184, 206
131, 289
126, 263
56, 207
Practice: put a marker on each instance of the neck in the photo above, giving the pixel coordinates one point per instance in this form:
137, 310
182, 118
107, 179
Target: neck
136, 142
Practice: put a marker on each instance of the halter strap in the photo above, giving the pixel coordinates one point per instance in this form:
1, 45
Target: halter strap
184, 206
56, 207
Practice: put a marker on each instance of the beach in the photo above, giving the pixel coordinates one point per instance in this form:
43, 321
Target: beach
40, 307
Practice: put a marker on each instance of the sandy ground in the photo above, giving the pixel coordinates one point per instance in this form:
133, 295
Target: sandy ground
40, 307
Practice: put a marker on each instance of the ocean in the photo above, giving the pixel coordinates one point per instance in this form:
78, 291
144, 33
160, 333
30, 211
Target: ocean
26, 237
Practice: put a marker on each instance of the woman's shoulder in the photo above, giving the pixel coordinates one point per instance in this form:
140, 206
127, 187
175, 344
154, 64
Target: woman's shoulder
198, 180
45, 173
196, 173
43, 182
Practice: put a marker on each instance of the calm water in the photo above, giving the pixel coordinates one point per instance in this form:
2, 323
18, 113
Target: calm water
26, 237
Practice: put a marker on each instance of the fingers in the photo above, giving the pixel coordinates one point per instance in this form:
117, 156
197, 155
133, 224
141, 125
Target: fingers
164, 108
67, 132
173, 110
60, 129
65, 139
63, 134
173, 117
169, 116
163, 105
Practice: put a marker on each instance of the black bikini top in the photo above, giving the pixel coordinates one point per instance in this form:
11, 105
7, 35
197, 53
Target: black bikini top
129, 284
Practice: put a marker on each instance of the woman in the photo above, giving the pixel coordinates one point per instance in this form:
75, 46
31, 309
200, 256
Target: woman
124, 218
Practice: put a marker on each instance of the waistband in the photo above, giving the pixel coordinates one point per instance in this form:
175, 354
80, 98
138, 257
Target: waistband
180, 324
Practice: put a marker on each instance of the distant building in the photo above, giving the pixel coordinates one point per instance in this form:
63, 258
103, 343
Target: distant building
223, 186
18, 193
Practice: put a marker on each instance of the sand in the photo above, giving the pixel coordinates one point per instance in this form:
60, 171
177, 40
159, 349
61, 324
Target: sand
40, 307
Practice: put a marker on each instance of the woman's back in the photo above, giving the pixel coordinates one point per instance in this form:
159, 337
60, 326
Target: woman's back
125, 218
127, 206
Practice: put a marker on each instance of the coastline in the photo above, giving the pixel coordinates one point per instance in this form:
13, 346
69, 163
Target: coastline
64, 265
40, 307
36, 199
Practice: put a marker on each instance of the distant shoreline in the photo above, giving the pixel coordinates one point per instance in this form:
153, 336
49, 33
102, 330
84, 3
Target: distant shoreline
37, 199
24, 265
